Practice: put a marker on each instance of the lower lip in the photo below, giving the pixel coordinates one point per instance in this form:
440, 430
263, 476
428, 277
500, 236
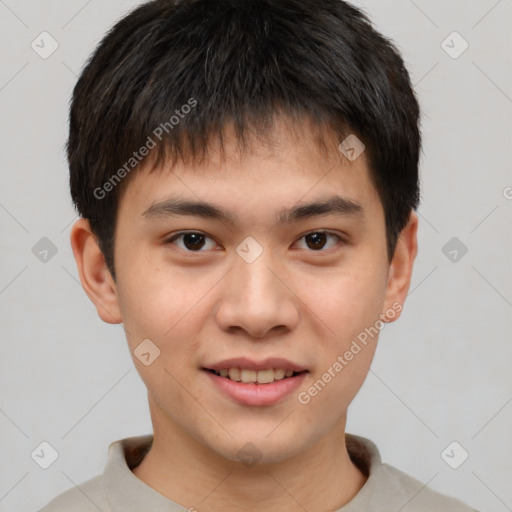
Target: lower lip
257, 394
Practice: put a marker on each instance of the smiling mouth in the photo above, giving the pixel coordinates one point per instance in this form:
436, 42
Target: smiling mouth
246, 376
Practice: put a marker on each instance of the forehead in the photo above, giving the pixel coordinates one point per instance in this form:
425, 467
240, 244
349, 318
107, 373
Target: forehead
292, 164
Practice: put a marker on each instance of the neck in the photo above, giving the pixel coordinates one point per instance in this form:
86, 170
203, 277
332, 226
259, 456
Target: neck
320, 478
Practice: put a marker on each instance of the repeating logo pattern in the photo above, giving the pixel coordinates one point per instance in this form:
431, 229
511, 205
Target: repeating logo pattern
453, 64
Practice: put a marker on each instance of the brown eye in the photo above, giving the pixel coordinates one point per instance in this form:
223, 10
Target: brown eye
317, 240
192, 241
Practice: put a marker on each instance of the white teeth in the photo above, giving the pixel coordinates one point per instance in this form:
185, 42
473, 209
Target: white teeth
234, 374
248, 376
265, 376
279, 373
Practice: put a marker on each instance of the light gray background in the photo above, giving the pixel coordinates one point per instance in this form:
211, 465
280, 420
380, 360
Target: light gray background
442, 372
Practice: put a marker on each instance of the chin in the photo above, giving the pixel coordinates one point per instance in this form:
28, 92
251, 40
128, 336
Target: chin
260, 446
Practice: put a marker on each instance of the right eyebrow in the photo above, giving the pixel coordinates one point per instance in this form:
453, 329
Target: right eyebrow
334, 205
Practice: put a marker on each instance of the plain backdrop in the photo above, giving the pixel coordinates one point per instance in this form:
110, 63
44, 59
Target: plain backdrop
442, 373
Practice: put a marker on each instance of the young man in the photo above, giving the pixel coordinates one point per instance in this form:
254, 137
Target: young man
247, 175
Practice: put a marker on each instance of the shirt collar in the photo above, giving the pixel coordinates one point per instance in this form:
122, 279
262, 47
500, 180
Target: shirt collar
127, 493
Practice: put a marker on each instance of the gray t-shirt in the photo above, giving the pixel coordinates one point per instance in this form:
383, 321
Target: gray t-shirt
118, 490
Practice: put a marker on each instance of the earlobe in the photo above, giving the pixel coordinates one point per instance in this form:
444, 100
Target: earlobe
400, 270
94, 274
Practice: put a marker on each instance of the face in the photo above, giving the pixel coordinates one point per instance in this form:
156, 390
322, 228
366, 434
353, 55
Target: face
261, 273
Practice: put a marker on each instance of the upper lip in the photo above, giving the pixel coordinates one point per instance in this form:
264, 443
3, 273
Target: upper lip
250, 364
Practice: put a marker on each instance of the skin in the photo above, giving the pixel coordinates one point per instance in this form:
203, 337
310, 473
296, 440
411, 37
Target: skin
296, 300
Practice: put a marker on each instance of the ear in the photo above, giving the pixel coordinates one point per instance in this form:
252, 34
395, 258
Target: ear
94, 274
400, 270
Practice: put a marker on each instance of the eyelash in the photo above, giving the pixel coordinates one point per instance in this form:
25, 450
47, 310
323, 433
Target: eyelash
183, 233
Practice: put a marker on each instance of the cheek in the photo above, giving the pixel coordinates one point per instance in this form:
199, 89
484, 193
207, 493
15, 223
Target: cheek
345, 302
154, 303
344, 358
346, 307
331, 392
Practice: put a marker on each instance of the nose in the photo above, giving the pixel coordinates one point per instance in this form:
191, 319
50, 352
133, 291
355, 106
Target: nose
257, 299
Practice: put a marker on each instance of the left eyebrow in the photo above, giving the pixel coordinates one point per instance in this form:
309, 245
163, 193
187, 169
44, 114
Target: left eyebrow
334, 205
